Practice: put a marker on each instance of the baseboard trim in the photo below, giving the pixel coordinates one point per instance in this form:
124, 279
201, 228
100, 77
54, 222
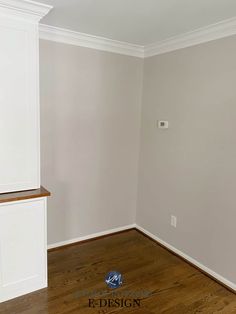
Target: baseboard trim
90, 237
107, 233
205, 270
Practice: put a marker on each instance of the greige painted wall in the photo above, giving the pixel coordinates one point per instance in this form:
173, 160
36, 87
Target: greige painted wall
90, 125
189, 170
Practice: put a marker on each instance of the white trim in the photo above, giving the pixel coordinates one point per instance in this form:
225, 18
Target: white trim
84, 40
211, 32
212, 273
90, 236
24, 8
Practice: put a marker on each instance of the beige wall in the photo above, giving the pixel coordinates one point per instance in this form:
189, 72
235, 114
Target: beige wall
90, 124
189, 170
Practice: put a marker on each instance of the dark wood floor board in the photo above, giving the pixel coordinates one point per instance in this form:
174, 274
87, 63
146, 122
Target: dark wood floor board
175, 287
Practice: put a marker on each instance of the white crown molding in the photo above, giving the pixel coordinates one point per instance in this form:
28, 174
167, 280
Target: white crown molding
202, 35
212, 32
84, 40
24, 8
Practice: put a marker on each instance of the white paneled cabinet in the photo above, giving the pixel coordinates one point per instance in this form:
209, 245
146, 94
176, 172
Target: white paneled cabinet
19, 95
23, 241
23, 247
19, 107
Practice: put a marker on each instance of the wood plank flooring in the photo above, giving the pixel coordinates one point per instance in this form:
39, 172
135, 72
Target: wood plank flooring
174, 286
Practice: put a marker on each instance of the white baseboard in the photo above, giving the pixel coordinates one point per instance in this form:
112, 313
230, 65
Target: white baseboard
205, 269
90, 236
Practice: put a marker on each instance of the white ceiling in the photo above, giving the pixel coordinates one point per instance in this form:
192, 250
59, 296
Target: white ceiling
141, 22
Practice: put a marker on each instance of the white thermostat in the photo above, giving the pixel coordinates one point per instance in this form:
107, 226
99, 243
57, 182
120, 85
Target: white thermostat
162, 124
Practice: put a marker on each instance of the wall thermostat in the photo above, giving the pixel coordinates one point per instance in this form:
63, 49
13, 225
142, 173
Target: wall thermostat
163, 124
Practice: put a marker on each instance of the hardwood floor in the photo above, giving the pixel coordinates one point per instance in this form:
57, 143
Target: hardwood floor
173, 285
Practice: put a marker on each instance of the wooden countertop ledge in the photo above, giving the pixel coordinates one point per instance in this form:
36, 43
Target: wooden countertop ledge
24, 195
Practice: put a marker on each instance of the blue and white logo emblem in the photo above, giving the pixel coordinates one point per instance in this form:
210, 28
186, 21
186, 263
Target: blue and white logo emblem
113, 279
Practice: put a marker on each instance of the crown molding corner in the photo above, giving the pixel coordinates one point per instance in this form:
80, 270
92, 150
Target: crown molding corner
26, 8
209, 33
85, 40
